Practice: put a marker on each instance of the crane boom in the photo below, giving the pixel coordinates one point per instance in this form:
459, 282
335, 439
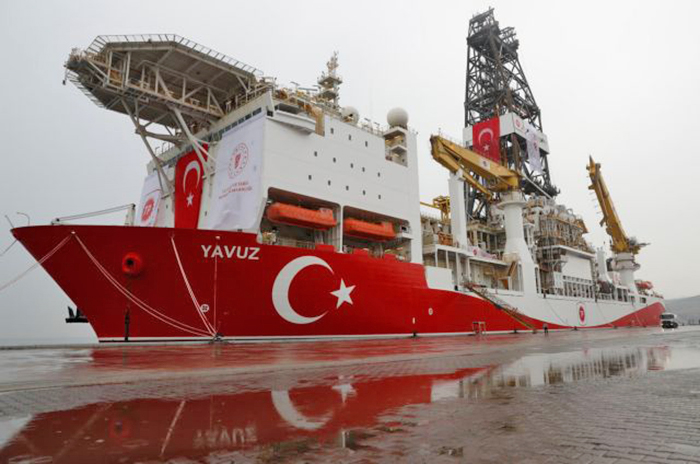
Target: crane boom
457, 158
620, 242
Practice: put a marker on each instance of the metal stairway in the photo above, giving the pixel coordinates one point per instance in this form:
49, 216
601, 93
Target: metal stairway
500, 304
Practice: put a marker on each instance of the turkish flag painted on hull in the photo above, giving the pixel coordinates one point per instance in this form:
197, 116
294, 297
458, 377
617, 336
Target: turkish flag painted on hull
485, 139
188, 190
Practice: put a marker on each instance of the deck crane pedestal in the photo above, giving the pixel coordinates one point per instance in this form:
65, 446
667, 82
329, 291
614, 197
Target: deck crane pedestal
494, 181
623, 247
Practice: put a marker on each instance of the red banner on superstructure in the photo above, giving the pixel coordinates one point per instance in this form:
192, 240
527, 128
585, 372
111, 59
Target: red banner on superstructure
188, 190
485, 138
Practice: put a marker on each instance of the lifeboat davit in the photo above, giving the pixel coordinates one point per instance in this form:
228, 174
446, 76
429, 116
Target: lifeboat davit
369, 230
283, 213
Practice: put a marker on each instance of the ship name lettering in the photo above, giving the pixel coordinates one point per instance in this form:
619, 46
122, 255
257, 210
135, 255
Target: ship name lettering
231, 252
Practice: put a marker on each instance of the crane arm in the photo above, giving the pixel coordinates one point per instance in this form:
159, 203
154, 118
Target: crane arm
620, 242
455, 158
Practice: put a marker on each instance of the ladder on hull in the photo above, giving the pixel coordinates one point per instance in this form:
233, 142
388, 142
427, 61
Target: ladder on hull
500, 304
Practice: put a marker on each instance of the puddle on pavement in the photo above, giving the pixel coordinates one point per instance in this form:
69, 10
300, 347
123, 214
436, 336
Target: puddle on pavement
284, 423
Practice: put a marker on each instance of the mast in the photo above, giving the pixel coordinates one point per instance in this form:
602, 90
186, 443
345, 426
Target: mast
496, 86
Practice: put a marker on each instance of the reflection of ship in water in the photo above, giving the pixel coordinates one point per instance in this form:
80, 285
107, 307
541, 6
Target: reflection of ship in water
144, 429
557, 368
658, 359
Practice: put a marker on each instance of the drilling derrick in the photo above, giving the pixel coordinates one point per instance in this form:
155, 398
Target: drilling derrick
496, 88
496, 82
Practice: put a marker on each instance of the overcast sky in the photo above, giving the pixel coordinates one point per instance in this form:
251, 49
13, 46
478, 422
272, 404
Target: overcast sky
617, 80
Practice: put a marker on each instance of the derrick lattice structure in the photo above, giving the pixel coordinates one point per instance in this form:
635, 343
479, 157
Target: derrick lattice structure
496, 82
495, 86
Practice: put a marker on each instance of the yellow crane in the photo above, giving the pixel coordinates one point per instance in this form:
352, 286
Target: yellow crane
495, 177
620, 242
441, 203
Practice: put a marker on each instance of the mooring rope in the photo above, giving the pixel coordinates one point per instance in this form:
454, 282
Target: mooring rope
8, 248
138, 302
197, 306
37, 264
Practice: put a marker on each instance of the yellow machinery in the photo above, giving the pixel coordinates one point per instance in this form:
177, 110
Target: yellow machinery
441, 203
620, 242
495, 177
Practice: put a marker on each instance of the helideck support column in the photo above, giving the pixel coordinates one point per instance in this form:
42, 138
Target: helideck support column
458, 210
516, 247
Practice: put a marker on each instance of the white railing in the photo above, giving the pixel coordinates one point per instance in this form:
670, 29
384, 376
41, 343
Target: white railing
130, 214
100, 41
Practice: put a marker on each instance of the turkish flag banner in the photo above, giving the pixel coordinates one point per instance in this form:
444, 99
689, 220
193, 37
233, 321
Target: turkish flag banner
188, 190
485, 138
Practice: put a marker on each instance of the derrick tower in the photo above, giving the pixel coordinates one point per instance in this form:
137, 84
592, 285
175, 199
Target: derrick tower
496, 87
496, 82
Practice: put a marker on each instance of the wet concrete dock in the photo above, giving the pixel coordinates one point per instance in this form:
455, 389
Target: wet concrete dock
624, 395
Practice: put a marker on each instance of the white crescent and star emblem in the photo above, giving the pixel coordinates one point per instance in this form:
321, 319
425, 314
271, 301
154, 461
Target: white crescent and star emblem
191, 166
284, 406
485, 130
280, 290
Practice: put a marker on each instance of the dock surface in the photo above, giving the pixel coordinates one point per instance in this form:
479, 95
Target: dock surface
624, 395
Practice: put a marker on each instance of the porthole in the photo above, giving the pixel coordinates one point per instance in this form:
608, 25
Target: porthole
332, 131
334, 160
379, 196
349, 137
363, 169
379, 174
329, 182
366, 143
364, 192
309, 176
352, 166
315, 153
347, 188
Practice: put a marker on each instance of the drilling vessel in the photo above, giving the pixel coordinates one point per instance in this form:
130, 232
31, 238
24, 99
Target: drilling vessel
275, 212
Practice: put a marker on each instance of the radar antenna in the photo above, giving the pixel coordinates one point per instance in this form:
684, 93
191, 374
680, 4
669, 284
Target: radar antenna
330, 82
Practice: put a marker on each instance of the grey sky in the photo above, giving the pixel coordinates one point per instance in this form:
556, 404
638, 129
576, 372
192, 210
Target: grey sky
618, 80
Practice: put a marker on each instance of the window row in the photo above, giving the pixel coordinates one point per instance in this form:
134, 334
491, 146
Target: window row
347, 187
352, 165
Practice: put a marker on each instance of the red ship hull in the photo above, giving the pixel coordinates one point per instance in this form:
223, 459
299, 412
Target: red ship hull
184, 284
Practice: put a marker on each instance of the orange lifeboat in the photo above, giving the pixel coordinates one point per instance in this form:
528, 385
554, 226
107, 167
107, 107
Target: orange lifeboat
369, 230
303, 217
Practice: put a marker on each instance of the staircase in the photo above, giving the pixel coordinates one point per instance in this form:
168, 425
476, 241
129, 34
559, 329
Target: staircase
499, 304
